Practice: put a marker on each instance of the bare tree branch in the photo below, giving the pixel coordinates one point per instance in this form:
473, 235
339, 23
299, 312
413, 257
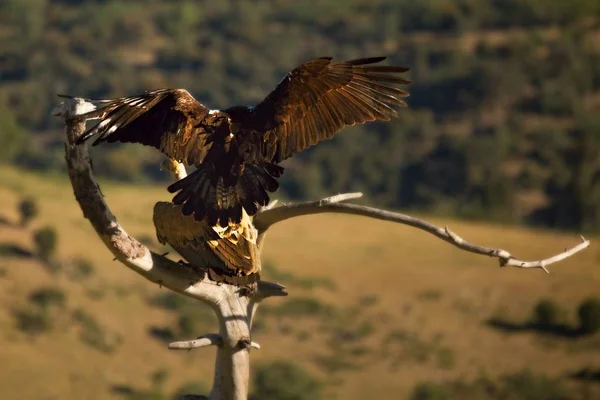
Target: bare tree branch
210, 339
234, 311
268, 217
125, 248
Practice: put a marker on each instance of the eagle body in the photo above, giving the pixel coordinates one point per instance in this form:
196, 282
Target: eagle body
237, 151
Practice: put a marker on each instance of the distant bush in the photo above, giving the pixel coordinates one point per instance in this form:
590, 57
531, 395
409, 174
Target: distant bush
28, 210
33, 320
48, 297
45, 241
13, 250
82, 269
12, 136
163, 334
276, 274
170, 301
589, 316
93, 334
195, 388
284, 380
146, 395
302, 306
337, 361
446, 358
431, 294
368, 300
158, 378
429, 391
191, 320
189, 325
546, 313
349, 333
525, 385
522, 385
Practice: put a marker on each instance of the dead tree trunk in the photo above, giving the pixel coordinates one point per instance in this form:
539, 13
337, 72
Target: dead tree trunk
234, 309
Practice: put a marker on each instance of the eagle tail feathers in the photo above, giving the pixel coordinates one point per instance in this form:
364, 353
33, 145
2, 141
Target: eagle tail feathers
206, 193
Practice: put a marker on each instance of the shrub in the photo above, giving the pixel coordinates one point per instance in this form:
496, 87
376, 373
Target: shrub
12, 136
33, 320
546, 313
284, 380
303, 307
171, 301
525, 385
188, 325
522, 385
163, 334
13, 250
190, 388
589, 316
429, 391
92, 333
82, 269
28, 209
158, 378
446, 358
45, 241
48, 297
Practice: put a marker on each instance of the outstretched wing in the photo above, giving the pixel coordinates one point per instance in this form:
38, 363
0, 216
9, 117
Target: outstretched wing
232, 248
319, 98
166, 119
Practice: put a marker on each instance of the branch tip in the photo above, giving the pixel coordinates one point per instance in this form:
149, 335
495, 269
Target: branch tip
334, 204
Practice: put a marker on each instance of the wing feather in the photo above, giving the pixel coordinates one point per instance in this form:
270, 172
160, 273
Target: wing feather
166, 119
319, 98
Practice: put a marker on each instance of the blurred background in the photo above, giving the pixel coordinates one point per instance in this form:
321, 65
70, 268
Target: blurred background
501, 141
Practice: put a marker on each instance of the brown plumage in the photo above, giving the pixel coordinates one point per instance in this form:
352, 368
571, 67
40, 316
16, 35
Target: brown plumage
236, 151
231, 250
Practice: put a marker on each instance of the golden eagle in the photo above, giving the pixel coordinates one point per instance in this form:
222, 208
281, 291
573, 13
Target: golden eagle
236, 151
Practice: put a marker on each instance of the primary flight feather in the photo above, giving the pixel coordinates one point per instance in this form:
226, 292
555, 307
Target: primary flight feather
237, 151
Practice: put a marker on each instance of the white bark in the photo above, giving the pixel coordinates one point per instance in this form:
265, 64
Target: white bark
334, 204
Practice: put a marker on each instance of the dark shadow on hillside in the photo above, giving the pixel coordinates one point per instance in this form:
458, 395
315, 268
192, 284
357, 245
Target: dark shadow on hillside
165, 335
586, 375
557, 330
5, 221
122, 390
14, 250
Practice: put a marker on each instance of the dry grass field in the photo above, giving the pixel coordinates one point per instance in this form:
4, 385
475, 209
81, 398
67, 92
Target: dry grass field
389, 305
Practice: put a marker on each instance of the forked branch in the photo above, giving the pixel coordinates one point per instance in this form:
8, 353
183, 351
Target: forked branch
234, 312
235, 317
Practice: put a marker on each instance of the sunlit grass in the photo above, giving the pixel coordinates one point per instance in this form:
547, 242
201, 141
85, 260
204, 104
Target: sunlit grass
437, 294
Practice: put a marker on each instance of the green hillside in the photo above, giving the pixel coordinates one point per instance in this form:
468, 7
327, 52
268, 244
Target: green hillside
503, 110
